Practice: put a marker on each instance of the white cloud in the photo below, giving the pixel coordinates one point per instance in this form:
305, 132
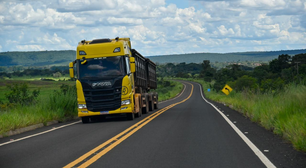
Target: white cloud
263, 3
197, 28
30, 47
132, 21
225, 31
158, 2
154, 26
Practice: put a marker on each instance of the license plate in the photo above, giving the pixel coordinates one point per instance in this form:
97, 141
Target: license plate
104, 112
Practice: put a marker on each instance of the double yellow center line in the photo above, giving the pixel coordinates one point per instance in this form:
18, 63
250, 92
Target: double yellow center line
96, 153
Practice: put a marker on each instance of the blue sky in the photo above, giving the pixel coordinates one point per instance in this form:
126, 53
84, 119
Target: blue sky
156, 27
179, 3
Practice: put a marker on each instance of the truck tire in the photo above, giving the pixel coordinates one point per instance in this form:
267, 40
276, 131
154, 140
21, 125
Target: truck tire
155, 99
145, 110
130, 116
151, 105
85, 120
139, 114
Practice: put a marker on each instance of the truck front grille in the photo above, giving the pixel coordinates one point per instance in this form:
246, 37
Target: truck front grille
103, 99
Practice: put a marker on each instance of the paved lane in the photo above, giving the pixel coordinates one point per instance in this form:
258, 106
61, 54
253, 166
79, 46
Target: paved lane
183, 132
191, 134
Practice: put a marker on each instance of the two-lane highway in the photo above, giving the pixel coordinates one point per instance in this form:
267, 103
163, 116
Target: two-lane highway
183, 132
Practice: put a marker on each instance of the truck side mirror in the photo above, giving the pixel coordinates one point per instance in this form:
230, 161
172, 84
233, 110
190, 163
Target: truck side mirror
71, 72
132, 64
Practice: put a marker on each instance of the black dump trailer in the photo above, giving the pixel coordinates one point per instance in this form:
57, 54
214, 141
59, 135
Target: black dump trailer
151, 74
145, 79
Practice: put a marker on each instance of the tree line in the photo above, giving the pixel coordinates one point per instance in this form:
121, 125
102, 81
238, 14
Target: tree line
55, 71
266, 77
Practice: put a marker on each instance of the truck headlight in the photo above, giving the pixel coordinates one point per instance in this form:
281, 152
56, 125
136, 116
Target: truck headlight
125, 102
82, 106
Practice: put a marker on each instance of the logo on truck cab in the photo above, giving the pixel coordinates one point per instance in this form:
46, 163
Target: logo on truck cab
101, 84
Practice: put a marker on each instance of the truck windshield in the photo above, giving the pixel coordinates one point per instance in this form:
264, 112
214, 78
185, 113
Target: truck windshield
105, 67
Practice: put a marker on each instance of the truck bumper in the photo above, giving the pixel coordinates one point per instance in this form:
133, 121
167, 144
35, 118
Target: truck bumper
121, 110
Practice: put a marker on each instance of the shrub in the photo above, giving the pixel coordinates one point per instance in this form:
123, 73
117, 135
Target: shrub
20, 94
245, 82
270, 85
64, 101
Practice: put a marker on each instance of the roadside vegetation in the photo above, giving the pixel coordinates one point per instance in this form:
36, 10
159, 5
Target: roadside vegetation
29, 103
26, 102
168, 89
272, 95
282, 112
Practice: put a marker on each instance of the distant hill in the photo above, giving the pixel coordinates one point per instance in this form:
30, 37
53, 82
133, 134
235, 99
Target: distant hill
47, 58
37, 58
227, 57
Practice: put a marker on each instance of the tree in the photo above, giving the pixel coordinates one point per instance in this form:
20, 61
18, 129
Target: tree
207, 71
245, 82
277, 65
260, 72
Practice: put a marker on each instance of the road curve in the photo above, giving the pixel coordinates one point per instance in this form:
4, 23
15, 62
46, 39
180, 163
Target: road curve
183, 132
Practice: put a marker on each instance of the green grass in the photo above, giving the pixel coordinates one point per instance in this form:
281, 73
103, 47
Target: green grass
46, 87
53, 105
283, 113
165, 93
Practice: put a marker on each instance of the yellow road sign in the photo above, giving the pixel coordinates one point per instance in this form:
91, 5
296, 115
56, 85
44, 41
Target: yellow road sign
227, 90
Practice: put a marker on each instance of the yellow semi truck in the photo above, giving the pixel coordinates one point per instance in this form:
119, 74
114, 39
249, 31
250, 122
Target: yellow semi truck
113, 78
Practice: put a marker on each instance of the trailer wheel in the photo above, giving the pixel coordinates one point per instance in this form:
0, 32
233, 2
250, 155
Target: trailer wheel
145, 110
156, 99
130, 116
138, 114
151, 105
85, 120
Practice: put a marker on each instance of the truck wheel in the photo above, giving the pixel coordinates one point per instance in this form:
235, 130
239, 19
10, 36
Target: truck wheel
138, 114
151, 105
156, 99
156, 105
130, 116
85, 120
145, 110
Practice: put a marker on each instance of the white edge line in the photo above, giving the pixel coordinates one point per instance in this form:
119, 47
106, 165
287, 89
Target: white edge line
30, 136
176, 96
260, 155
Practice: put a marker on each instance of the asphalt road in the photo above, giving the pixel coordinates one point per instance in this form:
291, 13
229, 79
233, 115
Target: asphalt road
183, 132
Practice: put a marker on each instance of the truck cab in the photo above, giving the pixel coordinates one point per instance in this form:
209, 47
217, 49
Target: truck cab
104, 77
112, 78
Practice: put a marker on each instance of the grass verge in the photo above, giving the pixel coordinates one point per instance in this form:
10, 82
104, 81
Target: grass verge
54, 104
168, 92
283, 113
57, 105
